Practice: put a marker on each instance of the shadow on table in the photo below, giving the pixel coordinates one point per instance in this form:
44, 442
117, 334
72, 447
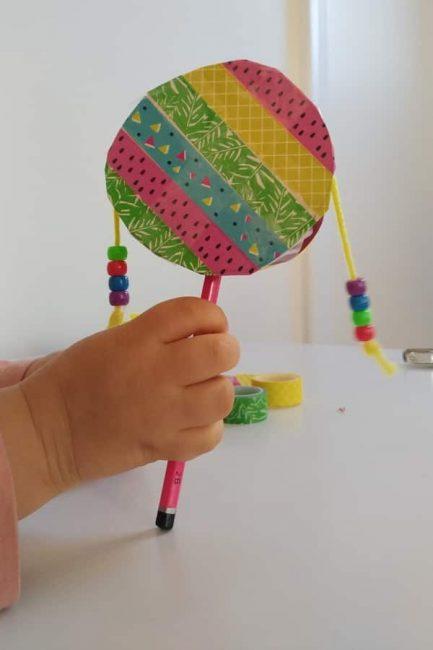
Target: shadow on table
49, 564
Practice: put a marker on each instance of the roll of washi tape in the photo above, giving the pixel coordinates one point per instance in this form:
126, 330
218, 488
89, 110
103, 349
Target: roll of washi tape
250, 405
244, 380
282, 389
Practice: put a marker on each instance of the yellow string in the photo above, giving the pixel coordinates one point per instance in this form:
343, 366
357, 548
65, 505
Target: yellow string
117, 316
341, 222
371, 348
116, 229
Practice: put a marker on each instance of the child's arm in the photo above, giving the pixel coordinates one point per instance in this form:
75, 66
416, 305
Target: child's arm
144, 391
25, 451
147, 390
17, 433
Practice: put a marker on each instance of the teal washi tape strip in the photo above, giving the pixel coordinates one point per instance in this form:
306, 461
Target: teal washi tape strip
203, 184
250, 405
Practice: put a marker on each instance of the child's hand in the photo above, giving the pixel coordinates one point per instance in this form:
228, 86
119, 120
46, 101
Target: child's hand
125, 397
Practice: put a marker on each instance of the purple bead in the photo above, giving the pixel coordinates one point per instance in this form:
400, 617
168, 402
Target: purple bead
119, 298
356, 287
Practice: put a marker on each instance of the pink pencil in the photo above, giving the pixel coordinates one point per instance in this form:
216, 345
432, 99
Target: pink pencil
174, 472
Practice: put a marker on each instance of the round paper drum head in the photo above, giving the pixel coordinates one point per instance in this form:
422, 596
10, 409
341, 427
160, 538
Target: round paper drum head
224, 170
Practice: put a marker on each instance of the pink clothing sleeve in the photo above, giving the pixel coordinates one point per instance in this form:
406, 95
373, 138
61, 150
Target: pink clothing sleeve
11, 372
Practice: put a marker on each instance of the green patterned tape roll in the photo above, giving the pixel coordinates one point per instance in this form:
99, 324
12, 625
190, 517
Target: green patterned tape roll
250, 405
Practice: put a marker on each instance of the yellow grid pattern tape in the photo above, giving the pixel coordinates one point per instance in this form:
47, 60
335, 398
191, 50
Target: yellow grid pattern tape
283, 389
297, 168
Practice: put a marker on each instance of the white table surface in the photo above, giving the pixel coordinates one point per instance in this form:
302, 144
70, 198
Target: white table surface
313, 530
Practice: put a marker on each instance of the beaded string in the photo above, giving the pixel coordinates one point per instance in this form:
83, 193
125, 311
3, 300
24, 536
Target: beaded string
359, 301
118, 281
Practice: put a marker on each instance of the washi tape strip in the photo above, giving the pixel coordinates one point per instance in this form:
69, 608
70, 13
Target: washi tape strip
147, 227
172, 151
250, 406
233, 159
175, 208
289, 105
267, 137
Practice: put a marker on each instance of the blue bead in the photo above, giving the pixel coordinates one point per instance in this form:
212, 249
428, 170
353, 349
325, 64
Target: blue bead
118, 282
359, 303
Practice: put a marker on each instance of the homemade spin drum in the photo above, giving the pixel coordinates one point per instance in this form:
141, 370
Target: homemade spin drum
224, 170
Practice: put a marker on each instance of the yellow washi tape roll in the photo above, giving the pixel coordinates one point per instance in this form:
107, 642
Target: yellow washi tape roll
283, 389
244, 380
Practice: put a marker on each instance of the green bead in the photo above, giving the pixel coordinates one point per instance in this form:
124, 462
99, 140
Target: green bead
361, 318
117, 252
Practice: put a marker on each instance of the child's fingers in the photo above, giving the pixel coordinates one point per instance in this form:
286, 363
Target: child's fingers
197, 359
190, 443
179, 318
207, 402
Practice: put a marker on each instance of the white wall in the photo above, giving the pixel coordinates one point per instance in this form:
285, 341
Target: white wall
373, 73
70, 72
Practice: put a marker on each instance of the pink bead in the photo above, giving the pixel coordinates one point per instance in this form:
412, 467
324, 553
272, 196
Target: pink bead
356, 287
119, 298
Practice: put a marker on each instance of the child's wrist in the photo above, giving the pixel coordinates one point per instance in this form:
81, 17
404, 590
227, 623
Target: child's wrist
25, 452
29, 429
48, 410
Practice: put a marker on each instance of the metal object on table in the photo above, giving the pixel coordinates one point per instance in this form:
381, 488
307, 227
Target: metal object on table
420, 357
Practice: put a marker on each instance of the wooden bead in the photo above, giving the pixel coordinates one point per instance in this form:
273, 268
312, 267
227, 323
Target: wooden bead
117, 267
